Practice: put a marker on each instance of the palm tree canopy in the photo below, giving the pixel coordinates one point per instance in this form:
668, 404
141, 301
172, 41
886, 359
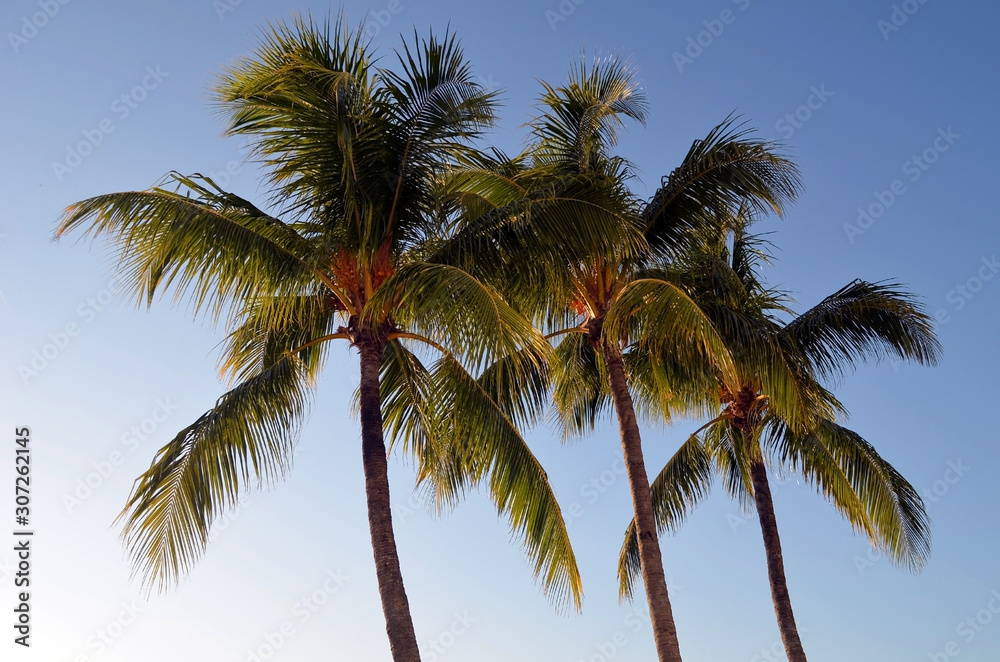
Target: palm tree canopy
355, 156
778, 408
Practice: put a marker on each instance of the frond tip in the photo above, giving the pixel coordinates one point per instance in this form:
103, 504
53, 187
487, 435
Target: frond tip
248, 436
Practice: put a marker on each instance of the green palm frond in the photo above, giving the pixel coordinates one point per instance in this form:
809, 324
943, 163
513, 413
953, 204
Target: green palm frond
581, 120
211, 248
519, 384
268, 327
409, 411
481, 442
683, 482
659, 317
450, 306
247, 437
580, 386
665, 388
864, 321
305, 97
511, 212
721, 173
866, 489
732, 458
436, 98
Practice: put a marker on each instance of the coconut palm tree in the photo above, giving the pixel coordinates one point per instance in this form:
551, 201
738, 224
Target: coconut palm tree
599, 297
777, 412
354, 156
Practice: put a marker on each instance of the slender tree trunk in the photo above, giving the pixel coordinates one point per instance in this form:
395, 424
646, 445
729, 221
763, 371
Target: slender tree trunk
775, 564
653, 579
395, 606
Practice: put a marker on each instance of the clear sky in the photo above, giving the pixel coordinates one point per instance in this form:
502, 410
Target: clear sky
887, 108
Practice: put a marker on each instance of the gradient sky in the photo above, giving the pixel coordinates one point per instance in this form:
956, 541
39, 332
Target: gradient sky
882, 93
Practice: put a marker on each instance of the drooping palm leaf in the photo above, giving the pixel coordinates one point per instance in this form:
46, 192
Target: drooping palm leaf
248, 437
871, 494
682, 483
864, 321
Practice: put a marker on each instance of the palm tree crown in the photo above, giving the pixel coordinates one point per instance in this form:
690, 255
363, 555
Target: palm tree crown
354, 157
777, 411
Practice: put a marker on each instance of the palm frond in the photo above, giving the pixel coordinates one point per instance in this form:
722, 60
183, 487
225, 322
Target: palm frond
722, 172
866, 489
247, 437
682, 483
581, 120
659, 317
213, 248
580, 386
483, 443
465, 315
268, 327
864, 321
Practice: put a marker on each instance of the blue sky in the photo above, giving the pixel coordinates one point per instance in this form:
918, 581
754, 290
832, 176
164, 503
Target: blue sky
889, 110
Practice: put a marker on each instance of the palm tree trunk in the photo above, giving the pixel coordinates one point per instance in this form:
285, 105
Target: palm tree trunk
775, 565
653, 579
395, 606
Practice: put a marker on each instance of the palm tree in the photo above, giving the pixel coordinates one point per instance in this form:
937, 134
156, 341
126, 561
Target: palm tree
353, 156
599, 292
777, 411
